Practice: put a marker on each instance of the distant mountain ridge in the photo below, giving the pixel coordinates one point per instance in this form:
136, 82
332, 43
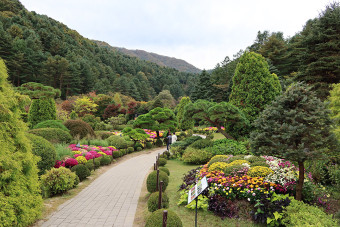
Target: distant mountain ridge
161, 60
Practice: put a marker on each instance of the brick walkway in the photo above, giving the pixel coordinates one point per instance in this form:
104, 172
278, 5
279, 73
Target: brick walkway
110, 200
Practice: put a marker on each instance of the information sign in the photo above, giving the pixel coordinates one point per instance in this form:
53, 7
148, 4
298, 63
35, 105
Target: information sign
197, 189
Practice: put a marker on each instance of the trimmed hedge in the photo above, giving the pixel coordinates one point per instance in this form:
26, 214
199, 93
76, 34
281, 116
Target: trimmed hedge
162, 161
105, 160
53, 135
196, 156
164, 169
42, 110
153, 201
156, 219
51, 124
79, 128
82, 171
117, 141
151, 181
45, 150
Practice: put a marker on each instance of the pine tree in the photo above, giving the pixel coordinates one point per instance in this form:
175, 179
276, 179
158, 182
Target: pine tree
203, 88
184, 123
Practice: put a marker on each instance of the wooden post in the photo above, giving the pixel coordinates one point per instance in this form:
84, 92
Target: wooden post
93, 163
165, 218
160, 195
157, 180
154, 166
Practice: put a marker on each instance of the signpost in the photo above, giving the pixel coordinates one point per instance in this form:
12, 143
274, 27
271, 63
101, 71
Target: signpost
195, 191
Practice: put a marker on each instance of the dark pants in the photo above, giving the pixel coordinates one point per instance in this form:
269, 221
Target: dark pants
168, 146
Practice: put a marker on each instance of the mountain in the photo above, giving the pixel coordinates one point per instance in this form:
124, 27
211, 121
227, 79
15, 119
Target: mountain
161, 60
37, 48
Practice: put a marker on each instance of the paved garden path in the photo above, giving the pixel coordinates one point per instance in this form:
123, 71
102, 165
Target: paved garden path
110, 200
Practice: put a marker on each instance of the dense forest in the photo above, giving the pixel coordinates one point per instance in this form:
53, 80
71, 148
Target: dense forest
311, 55
37, 48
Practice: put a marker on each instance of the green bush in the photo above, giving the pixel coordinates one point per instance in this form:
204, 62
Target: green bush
232, 170
201, 144
137, 145
162, 161
102, 134
299, 213
105, 160
228, 146
159, 143
237, 157
91, 120
117, 141
130, 149
219, 158
97, 142
53, 135
123, 151
151, 181
62, 151
253, 159
20, 197
42, 110
79, 129
156, 219
45, 150
153, 201
116, 154
164, 169
259, 163
97, 163
139, 149
148, 145
82, 171
51, 124
180, 146
196, 156
57, 181
89, 164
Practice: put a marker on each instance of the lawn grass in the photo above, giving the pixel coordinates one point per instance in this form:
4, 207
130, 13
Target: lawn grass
218, 136
205, 218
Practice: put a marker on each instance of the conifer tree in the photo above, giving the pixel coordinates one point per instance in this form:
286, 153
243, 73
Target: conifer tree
184, 123
203, 88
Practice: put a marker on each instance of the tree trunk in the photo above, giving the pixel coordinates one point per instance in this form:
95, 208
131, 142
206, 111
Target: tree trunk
157, 132
219, 129
300, 182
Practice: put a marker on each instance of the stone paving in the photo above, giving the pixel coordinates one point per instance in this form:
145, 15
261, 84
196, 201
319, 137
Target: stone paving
110, 200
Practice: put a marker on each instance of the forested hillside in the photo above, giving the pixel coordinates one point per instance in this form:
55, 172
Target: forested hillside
37, 48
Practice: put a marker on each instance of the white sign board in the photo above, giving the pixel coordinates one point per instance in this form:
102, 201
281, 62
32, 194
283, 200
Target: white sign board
197, 189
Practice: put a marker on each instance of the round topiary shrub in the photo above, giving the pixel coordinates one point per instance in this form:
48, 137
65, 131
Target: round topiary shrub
148, 145
219, 158
195, 156
139, 149
97, 163
79, 129
53, 135
156, 219
159, 143
56, 181
123, 151
200, 144
82, 171
153, 201
70, 162
164, 169
151, 181
162, 161
90, 165
117, 141
130, 149
51, 124
45, 150
105, 160
116, 154
102, 134
259, 171
137, 145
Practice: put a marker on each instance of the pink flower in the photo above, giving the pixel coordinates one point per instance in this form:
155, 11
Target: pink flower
77, 155
71, 162
89, 156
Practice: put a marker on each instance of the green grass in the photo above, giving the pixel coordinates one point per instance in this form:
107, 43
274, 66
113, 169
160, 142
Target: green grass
218, 136
205, 218
62, 151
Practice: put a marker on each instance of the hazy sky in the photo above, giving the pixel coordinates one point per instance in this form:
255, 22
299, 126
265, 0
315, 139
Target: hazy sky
200, 32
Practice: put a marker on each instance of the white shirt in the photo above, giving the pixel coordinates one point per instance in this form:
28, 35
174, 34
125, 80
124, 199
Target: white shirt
174, 138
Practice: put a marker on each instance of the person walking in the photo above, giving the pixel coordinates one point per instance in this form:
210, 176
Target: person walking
174, 138
169, 141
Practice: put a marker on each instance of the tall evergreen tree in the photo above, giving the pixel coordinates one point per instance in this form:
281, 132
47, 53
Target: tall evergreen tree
203, 88
184, 123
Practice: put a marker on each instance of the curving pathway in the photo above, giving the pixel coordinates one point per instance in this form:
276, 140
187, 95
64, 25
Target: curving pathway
110, 200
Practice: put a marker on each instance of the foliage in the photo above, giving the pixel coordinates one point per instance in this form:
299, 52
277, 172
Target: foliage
20, 198
42, 110
105, 160
180, 146
62, 151
151, 181
259, 171
112, 110
164, 169
217, 166
51, 124
166, 99
184, 123
38, 91
91, 120
162, 161
334, 106
56, 181
189, 178
79, 129
219, 158
102, 134
117, 121
228, 147
219, 115
82, 171
135, 134
295, 127
201, 144
195, 156
156, 219
117, 141
53, 135
84, 105
301, 214
153, 201
253, 85
222, 207
45, 150
203, 88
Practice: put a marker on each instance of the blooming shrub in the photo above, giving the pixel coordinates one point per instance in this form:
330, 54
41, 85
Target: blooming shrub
236, 170
77, 152
71, 162
219, 158
259, 171
218, 166
81, 159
